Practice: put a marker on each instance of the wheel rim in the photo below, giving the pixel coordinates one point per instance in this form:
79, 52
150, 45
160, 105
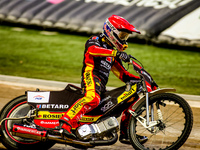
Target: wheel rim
19, 110
170, 129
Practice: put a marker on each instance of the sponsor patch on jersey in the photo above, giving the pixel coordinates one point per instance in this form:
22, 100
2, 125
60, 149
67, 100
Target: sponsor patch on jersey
95, 37
109, 59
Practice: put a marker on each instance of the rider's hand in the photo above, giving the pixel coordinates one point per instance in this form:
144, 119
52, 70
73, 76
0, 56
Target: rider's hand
123, 56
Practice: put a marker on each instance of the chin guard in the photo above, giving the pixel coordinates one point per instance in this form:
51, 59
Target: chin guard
125, 46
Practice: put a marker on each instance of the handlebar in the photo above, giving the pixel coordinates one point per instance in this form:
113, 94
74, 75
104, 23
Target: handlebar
144, 75
132, 57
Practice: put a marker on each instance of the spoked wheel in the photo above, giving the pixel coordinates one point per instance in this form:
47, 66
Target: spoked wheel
173, 123
18, 108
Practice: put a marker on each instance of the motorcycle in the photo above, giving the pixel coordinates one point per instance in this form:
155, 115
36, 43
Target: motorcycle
165, 118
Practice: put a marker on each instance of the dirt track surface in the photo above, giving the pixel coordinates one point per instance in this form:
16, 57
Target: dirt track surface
8, 92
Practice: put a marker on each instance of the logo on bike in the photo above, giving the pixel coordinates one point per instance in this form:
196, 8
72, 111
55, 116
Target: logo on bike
52, 116
38, 97
107, 106
127, 94
49, 122
52, 106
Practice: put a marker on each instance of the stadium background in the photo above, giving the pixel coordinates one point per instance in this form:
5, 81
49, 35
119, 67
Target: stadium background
173, 22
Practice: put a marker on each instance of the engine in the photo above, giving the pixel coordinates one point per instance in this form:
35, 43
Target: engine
86, 131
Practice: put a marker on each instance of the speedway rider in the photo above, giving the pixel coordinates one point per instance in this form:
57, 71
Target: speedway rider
103, 53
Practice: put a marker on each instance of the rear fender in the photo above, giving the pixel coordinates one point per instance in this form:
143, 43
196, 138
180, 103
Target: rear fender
158, 91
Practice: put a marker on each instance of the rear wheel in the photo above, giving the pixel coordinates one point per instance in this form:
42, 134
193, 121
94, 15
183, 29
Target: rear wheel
175, 120
18, 107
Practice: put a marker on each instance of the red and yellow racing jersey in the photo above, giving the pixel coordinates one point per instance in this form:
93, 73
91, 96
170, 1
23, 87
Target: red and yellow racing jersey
99, 59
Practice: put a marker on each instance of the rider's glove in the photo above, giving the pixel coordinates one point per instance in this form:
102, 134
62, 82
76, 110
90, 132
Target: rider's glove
123, 56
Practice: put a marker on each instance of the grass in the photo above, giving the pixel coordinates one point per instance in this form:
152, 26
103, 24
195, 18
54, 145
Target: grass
59, 57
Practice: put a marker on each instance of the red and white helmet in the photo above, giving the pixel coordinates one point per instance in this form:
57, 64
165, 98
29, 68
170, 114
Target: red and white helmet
117, 29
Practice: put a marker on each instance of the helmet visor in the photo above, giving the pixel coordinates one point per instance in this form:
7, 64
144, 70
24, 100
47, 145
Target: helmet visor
123, 35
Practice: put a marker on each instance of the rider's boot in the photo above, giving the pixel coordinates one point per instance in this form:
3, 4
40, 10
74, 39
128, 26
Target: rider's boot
64, 128
124, 139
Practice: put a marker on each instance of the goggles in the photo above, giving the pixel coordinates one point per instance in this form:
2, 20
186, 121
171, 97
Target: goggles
123, 36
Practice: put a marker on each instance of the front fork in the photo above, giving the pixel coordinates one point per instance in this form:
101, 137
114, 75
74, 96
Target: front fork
147, 108
146, 122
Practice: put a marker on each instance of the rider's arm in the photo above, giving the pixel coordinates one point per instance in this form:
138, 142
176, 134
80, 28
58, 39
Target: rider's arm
101, 52
119, 71
94, 48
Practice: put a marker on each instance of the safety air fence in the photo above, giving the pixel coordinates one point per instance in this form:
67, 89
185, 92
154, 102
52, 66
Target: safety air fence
160, 21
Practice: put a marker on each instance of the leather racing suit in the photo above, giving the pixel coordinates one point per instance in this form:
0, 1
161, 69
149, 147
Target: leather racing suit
99, 60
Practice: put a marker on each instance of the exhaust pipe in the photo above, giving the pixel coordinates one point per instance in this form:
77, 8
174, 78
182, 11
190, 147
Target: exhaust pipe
26, 131
42, 135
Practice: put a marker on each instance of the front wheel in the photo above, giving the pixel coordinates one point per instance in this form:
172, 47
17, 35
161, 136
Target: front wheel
174, 123
18, 107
